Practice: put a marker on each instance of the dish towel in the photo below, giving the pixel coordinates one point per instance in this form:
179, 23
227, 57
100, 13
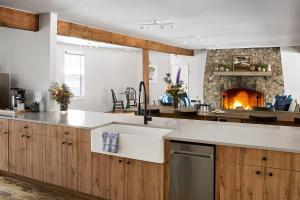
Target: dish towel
106, 142
114, 138
110, 142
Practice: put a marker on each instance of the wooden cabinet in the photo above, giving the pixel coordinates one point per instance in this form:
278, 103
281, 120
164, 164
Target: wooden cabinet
277, 184
135, 180
27, 149
69, 159
228, 181
101, 175
252, 182
264, 175
4, 134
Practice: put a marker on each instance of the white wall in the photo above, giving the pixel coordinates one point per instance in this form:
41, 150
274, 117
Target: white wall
196, 67
105, 69
163, 62
26, 56
290, 57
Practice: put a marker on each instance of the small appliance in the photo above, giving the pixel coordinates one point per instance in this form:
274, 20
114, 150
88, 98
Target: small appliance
17, 99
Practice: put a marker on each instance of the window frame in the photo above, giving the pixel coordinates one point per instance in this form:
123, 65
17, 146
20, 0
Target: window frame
82, 72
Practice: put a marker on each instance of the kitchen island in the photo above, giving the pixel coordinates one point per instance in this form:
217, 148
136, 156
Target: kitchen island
55, 148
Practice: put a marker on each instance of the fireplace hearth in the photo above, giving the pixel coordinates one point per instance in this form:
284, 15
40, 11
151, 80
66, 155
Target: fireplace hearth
242, 99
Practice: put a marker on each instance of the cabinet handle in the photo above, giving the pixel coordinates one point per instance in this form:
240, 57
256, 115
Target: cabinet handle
5, 133
25, 127
120, 161
27, 136
70, 144
66, 133
264, 158
128, 162
270, 174
23, 136
63, 142
258, 172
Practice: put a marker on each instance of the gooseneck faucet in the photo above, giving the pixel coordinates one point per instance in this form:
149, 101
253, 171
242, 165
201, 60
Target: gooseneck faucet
140, 112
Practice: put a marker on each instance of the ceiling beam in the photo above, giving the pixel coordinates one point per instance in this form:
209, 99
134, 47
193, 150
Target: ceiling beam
79, 31
12, 18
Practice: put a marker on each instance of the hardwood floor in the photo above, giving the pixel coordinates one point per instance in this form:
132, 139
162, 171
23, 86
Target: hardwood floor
13, 189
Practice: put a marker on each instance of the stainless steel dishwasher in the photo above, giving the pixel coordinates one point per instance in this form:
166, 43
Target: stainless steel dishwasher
192, 170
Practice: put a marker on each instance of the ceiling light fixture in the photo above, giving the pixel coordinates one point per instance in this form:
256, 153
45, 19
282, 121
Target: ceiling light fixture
154, 24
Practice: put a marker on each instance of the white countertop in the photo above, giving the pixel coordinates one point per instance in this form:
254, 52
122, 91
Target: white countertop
280, 138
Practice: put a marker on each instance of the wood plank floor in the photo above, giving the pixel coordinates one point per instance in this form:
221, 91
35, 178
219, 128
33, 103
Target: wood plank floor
13, 189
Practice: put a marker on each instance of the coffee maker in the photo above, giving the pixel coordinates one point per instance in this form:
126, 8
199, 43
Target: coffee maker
17, 99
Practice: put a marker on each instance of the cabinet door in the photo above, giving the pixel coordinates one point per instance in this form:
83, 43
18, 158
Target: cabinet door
133, 180
252, 182
277, 184
279, 160
153, 181
117, 178
84, 167
3, 150
70, 155
228, 185
100, 175
35, 156
17, 152
54, 170
295, 188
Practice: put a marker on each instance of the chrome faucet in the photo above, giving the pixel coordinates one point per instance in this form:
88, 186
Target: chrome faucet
146, 117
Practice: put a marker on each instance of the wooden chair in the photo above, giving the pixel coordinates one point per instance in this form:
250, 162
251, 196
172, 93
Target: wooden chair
262, 120
297, 121
261, 108
117, 104
131, 98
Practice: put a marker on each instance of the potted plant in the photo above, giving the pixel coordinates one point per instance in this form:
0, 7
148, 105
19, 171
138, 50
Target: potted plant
175, 90
263, 67
62, 94
226, 67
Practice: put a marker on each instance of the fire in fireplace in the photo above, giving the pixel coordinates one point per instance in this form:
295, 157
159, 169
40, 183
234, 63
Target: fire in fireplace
243, 99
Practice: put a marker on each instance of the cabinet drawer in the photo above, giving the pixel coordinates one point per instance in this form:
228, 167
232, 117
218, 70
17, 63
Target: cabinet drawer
67, 132
4, 124
84, 135
257, 157
21, 126
279, 160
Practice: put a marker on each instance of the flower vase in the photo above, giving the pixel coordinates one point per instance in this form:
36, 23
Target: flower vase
175, 102
63, 107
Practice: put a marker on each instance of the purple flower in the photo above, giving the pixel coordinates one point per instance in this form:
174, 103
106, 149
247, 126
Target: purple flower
178, 76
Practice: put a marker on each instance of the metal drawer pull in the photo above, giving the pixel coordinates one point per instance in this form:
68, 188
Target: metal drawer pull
70, 144
5, 133
63, 142
187, 153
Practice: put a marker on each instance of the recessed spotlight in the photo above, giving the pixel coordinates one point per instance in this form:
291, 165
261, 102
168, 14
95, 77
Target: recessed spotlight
184, 42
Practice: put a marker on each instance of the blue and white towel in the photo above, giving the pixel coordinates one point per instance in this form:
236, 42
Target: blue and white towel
106, 142
110, 142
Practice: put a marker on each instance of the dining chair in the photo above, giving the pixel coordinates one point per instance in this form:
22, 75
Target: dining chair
132, 100
262, 120
117, 104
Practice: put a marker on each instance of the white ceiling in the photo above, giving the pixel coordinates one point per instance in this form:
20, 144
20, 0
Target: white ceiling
199, 23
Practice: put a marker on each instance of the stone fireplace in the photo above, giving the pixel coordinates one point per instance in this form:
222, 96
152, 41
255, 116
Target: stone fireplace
246, 88
240, 98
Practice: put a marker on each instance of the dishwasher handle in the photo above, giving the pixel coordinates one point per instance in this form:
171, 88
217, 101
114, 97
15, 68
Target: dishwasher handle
188, 153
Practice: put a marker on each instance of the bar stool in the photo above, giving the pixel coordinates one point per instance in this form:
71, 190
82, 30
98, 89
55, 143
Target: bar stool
117, 104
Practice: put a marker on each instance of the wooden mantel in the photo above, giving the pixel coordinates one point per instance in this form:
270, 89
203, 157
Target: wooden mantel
65, 28
12, 18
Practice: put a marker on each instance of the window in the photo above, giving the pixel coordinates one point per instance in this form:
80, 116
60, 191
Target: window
74, 73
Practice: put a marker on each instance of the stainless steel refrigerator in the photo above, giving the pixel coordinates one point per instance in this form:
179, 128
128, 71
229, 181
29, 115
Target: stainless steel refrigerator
4, 91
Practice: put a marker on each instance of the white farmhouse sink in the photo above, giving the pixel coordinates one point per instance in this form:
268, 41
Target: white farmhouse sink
136, 142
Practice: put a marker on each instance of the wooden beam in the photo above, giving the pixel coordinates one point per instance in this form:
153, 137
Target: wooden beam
75, 30
11, 18
146, 71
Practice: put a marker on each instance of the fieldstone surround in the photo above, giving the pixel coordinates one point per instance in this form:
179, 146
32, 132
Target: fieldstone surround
269, 86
